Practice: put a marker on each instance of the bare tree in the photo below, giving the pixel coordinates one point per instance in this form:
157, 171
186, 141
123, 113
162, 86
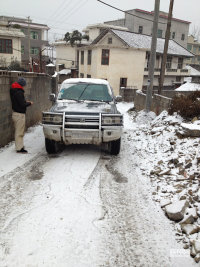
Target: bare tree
195, 31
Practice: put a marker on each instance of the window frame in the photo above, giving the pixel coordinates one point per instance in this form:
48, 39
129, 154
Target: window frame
109, 40
6, 46
140, 29
82, 57
89, 57
105, 56
159, 33
34, 34
182, 37
33, 51
169, 62
123, 81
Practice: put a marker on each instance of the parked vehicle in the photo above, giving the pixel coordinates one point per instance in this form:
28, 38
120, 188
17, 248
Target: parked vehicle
84, 112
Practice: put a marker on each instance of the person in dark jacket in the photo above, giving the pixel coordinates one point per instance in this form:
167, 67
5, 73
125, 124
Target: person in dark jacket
19, 105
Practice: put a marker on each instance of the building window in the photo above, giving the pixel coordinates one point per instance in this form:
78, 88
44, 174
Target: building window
183, 37
160, 33
199, 48
198, 58
194, 49
89, 59
88, 76
123, 82
6, 46
81, 75
105, 57
169, 62
22, 49
189, 47
82, 57
178, 78
173, 35
109, 40
34, 35
140, 29
180, 63
34, 51
147, 58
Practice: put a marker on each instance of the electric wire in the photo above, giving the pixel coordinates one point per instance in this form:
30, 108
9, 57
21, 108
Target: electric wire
126, 12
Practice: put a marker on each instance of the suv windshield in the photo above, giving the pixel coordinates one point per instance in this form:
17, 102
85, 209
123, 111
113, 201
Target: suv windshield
85, 91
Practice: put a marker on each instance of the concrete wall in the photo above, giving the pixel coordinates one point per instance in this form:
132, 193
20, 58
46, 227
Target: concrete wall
159, 103
128, 94
37, 90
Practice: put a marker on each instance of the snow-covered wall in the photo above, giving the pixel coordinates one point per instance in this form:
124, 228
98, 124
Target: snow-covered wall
37, 90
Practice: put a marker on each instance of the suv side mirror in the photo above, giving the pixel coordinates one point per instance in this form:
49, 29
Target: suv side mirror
52, 97
118, 98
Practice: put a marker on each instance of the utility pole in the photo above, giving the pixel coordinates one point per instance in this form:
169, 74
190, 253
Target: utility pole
29, 43
152, 56
40, 60
164, 57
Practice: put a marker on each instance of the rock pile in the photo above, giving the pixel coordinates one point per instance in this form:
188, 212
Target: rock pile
172, 154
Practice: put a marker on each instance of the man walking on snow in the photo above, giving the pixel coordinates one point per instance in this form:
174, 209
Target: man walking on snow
19, 105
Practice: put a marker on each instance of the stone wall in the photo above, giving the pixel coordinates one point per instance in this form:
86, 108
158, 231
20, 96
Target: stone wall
37, 90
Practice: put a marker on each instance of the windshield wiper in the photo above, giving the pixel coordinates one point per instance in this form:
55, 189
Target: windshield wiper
83, 92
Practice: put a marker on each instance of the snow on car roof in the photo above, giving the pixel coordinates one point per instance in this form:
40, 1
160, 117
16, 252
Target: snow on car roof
86, 80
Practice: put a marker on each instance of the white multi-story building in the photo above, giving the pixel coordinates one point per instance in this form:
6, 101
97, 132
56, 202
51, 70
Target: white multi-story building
10, 44
141, 21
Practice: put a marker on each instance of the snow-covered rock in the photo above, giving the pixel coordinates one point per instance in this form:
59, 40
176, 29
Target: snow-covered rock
175, 211
190, 229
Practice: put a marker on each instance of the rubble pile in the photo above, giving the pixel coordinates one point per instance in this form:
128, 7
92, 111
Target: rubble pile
171, 147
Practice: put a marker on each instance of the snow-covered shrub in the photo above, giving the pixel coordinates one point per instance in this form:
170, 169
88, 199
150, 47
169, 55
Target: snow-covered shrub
186, 106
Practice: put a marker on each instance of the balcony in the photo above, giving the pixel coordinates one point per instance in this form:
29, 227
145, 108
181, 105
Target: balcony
169, 72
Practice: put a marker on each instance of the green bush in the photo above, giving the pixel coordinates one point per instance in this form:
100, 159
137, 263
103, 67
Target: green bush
186, 106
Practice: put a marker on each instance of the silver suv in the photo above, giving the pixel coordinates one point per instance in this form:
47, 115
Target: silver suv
84, 112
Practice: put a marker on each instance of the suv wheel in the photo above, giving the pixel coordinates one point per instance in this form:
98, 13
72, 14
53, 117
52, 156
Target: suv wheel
51, 146
114, 147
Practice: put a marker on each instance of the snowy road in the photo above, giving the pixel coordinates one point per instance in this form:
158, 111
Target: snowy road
81, 208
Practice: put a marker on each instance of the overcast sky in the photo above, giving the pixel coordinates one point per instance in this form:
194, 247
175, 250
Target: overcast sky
66, 15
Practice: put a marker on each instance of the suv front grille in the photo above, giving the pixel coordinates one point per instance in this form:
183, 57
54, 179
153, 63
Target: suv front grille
82, 122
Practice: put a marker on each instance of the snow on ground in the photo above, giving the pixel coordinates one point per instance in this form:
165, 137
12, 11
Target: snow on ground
84, 208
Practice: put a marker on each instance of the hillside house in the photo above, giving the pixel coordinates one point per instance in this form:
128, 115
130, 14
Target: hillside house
122, 58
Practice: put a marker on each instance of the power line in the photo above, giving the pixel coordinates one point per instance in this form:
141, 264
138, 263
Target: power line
126, 12
74, 9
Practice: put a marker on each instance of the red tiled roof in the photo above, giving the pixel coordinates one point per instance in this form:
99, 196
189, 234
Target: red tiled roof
162, 16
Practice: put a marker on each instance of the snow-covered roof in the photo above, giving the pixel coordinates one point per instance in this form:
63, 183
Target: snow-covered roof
144, 41
141, 41
50, 65
193, 71
189, 87
105, 26
64, 72
86, 80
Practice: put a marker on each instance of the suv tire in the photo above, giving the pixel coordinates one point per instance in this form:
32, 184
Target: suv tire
51, 146
114, 147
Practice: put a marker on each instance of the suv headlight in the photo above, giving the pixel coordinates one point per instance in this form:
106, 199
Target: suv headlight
50, 118
112, 120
